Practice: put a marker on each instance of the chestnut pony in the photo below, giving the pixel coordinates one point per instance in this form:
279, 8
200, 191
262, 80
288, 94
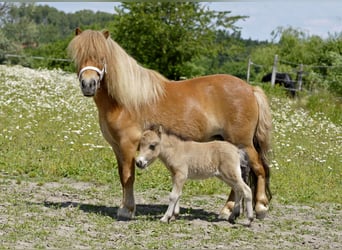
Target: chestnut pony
131, 98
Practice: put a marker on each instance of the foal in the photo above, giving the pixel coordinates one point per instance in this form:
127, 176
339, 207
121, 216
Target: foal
194, 160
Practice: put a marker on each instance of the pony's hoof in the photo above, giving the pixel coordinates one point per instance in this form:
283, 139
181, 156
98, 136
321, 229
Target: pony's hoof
125, 214
225, 214
261, 211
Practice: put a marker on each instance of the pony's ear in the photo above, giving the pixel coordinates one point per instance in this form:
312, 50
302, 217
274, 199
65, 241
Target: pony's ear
78, 31
105, 33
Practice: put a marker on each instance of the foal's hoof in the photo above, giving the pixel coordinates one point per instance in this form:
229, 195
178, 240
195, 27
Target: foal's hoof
231, 220
261, 211
125, 214
164, 220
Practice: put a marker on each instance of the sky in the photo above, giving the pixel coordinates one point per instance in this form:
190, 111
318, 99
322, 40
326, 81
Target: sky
313, 17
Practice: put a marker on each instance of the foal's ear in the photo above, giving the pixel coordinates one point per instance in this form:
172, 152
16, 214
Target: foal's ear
78, 31
160, 130
105, 33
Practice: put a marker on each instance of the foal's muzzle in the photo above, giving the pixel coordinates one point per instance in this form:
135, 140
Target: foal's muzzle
141, 162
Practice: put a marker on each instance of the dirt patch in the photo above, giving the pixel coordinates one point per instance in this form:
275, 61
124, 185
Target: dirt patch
71, 214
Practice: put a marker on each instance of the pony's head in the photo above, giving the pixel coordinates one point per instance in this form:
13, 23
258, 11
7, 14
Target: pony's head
100, 61
149, 148
88, 50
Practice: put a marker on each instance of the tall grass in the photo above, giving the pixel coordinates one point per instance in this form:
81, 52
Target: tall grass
48, 131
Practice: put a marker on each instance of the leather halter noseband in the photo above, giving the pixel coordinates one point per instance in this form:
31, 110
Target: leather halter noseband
100, 72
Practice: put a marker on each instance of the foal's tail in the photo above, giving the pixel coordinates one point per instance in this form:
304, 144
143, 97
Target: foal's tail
245, 167
262, 137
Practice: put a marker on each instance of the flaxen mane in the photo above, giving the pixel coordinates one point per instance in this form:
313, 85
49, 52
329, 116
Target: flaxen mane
127, 82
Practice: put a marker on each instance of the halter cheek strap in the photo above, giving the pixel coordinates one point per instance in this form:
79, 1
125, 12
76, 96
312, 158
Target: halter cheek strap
100, 72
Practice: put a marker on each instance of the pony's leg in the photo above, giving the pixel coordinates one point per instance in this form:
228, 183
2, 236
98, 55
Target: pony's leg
261, 200
127, 207
126, 166
178, 180
228, 207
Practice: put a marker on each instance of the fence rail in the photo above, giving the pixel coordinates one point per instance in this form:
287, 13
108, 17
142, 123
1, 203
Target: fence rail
38, 58
299, 69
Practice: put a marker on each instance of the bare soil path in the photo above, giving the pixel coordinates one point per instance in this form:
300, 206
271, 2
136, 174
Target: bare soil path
80, 215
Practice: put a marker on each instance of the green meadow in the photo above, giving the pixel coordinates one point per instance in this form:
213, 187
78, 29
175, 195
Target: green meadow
49, 133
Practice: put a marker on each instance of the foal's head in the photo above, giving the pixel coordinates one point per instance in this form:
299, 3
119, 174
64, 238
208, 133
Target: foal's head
149, 148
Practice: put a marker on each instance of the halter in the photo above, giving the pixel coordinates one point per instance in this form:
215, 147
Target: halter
100, 72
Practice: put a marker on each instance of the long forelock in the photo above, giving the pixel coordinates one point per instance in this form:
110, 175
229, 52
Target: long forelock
90, 46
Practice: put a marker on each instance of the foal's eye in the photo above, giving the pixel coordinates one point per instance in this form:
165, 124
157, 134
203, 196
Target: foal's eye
152, 147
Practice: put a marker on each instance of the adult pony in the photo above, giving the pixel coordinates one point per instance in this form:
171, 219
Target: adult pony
131, 98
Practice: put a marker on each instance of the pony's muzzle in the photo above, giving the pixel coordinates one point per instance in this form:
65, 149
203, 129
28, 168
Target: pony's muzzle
89, 86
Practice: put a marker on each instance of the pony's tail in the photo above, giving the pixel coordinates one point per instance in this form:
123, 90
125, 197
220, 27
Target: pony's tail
262, 137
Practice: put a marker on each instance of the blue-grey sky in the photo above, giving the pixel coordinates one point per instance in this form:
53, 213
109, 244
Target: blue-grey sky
313, 17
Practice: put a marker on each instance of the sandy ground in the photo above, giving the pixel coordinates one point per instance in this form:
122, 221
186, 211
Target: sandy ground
83, 215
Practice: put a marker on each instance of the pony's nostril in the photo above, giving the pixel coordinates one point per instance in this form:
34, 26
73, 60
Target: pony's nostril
93, 84
83, 84
90, 84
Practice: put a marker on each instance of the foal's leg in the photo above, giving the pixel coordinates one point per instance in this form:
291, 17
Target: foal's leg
229, 175
176, 210
236, 209
178, 180
247, 194
261, 200
242, 191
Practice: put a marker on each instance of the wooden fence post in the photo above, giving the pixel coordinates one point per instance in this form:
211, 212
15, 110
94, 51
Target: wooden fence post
300, 77
249, 69
274, 70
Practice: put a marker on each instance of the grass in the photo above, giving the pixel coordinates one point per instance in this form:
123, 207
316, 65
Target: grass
49, 133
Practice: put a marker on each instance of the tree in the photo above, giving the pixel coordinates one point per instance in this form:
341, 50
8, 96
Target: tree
42, 31
20, 27
4, 10
6, 46
166, 36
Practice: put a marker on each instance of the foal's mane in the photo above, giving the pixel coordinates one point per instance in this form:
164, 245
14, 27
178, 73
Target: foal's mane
130, 84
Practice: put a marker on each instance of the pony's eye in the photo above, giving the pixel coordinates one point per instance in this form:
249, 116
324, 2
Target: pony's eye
152, 147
